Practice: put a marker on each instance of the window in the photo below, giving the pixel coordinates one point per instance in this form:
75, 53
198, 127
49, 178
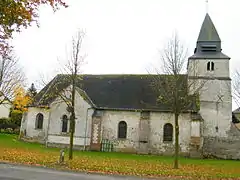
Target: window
64, 123
210, 66
168, 132
39, 121
122, 129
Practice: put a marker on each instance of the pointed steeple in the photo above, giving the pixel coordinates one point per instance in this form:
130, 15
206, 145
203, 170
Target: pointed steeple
208, 31
208, 42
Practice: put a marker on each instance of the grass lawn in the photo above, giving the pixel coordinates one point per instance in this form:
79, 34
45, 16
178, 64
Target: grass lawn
12, 150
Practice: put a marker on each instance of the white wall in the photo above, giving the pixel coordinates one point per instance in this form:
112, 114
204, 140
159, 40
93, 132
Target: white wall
215, 112
82, 126
110, 122
158, 120
5, 110
199, 67
29, 123
195, 129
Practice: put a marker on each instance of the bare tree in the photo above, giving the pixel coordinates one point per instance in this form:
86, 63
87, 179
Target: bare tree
70, 74
74, 66
11, 75
176, 90
236, 87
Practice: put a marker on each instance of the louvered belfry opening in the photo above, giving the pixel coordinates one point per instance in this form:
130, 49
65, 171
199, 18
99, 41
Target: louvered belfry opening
209, 48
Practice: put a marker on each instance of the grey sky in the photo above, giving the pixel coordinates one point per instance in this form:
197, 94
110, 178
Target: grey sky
123, 36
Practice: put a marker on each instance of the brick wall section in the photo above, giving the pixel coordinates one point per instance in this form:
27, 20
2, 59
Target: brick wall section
144, 131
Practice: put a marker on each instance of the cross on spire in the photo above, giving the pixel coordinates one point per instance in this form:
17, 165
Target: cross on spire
206, 6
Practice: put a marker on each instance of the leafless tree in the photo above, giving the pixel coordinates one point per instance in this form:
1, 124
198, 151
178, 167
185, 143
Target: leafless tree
236, 87
70, 70
176, 90
11, 75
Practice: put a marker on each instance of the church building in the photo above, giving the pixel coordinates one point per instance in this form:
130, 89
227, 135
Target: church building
121, 113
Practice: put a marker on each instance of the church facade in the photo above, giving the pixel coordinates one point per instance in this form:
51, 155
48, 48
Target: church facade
120, 112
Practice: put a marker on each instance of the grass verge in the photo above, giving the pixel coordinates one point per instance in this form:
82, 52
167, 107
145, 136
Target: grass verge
12, 150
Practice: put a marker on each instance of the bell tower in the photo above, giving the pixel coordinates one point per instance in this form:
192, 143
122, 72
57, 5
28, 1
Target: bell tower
209, 68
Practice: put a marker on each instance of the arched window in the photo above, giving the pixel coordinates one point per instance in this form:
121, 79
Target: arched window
212, 66
64, 123
39, 121
122, 129
208, 66
168, 132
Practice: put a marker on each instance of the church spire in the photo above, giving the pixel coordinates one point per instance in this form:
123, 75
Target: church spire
208, 42
208, 32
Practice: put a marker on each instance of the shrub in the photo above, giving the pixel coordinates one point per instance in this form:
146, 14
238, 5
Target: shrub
16, 117
8, 126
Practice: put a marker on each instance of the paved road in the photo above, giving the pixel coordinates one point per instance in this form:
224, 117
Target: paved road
13, 172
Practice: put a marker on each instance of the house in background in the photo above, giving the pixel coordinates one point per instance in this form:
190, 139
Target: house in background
236, 118
123, 111
5, 107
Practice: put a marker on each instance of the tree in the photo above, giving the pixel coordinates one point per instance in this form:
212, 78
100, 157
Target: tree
18, 14
71, 74
175, 89
20, 102
236, 87
32, 91
21, 99
11, 75
73, 68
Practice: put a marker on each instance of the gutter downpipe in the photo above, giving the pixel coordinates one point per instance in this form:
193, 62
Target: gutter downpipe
85, 133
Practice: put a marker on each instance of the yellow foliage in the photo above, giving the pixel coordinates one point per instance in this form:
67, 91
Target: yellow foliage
21, 99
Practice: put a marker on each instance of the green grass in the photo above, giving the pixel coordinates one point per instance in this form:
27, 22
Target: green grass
118, 162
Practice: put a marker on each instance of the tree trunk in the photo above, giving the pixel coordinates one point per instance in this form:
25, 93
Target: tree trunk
72, 121
176, 141
72, 128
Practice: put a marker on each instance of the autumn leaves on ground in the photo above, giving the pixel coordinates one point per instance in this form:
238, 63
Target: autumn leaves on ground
15, 151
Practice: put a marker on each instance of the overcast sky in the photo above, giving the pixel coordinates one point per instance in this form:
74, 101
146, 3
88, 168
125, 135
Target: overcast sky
123, 36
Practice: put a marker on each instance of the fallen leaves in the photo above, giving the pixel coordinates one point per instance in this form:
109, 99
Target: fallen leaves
117, 165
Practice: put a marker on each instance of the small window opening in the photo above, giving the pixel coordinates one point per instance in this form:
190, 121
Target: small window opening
212, 66
64, 123
39, 121
122, 129
168, 132
208, 66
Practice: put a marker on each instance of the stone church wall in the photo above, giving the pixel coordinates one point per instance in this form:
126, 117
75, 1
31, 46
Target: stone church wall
157, 146
223, 147
110, 122
83, 112
28, 124
152, 142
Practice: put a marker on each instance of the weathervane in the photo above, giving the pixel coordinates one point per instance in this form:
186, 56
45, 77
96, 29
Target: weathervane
206, 6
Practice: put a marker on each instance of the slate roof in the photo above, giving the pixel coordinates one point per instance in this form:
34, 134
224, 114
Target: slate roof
130, 92
208, 31
200, 55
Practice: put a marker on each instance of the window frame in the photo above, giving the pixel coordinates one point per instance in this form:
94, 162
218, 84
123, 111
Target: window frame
65, 121
38, 120
168, 133
122, 135
210, 66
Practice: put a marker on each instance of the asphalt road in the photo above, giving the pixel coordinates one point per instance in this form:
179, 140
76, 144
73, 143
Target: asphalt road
14, 172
